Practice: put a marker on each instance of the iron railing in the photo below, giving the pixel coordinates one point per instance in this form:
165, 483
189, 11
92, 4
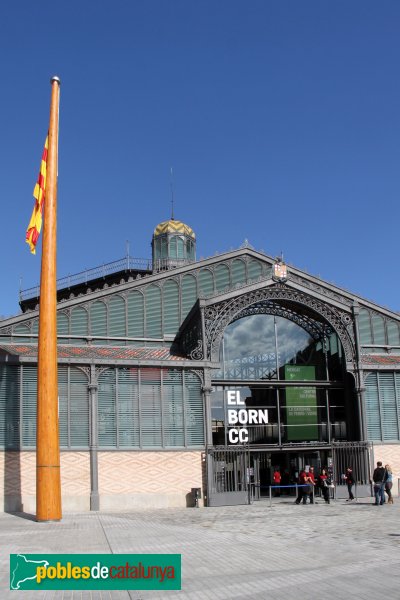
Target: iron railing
123, 264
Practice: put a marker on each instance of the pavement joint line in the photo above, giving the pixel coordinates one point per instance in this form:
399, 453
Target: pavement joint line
231, 553
99, 520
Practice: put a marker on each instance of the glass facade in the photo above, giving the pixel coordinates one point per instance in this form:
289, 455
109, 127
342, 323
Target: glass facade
294, 391
261, 346
275, 416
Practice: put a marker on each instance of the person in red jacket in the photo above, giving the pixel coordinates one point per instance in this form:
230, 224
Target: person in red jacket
350, 481
311, 475
309, 492
276, 480
323, 482
303, 477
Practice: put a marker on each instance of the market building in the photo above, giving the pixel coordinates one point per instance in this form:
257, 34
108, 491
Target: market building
178, 374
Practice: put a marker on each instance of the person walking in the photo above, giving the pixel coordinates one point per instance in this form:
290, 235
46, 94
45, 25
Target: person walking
324, 482
379, 478
350, 481
389, 483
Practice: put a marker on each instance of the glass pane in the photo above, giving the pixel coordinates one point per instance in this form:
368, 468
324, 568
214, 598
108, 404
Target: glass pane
393, 330
79, 324
378, 329
254, 270
238, 271
303, 414
221, 278
153, 311
98, 321
248, 349
21, 329
364, 325
62, 327
189, 294
116, 318
206, 282
261, 346
171, 307
135, 315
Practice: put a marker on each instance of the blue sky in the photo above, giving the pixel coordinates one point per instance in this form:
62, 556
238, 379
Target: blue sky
280, 119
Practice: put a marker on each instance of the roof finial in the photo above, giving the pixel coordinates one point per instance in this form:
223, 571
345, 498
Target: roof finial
172, 195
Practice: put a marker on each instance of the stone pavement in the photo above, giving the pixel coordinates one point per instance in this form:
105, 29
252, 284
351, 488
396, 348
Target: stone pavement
339, 551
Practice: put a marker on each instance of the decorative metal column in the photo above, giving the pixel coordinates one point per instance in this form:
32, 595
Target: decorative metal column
207, 406
207, 389
360, 377
94, 442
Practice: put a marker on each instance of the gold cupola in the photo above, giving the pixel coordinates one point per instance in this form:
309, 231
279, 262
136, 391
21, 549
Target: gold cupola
173, 245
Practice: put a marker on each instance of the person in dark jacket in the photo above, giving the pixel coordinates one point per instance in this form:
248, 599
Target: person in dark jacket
350, 481
379, 478
324, 482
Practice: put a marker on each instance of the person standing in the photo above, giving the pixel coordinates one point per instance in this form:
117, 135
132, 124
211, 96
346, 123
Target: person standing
276, 479
311, 475
379, 478
389, 483
301, 482
350, 481
311, 481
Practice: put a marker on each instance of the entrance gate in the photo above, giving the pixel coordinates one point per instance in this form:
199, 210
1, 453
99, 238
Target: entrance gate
232, 477
358, 456
228, 476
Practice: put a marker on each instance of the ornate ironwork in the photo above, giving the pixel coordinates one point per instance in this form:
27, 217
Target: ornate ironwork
197, 353
85, 370
99, 371
6, 331
218, 316
316, 329
320, 289
200, 375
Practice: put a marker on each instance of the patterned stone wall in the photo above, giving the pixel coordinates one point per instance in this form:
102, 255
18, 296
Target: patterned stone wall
149, 479
18, 480
389, 454
127, 480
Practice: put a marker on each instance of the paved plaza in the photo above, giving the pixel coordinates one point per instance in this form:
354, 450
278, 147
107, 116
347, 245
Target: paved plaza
341, 551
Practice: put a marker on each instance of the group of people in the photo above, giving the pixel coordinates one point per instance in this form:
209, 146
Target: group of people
308, 481
382, 479
383, 482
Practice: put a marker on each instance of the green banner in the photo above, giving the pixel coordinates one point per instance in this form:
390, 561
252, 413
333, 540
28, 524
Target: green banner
301, 405
95, 571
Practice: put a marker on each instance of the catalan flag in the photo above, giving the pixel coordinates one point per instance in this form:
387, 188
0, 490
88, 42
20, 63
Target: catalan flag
35, 224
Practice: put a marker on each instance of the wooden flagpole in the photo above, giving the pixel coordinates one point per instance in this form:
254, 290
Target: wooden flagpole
48, 479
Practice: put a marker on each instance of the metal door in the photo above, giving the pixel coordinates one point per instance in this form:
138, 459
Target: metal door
358, 456
228, 476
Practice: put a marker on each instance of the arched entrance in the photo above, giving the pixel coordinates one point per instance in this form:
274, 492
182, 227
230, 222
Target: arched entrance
282, 397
